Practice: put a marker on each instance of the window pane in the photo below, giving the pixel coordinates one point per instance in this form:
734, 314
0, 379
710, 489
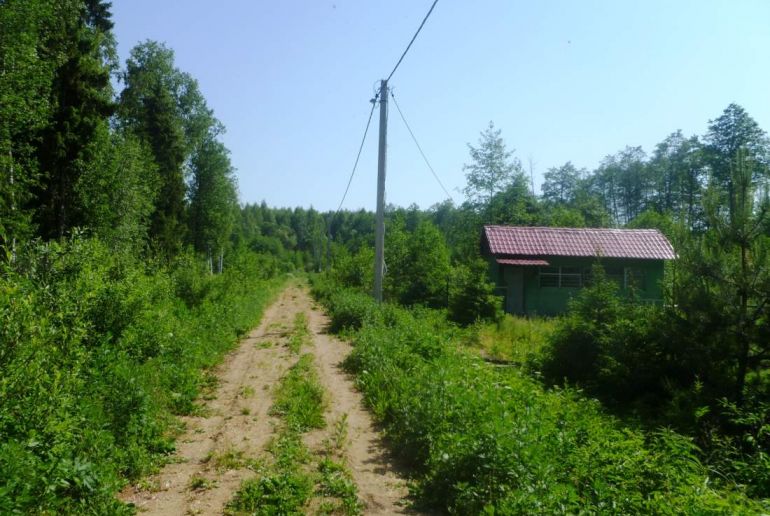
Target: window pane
571, 280
635, 278
549, 280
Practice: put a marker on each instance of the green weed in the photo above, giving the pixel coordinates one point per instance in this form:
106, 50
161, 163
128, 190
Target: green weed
229, 458
285, 492
300, 335
338, 439
335, 482
199, 483
299, 399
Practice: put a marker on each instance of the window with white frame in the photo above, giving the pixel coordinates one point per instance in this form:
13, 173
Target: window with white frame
561, 277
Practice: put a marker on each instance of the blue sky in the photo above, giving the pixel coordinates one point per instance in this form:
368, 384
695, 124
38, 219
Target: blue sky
564, 80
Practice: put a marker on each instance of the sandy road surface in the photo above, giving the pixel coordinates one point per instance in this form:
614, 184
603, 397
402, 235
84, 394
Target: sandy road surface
236, 422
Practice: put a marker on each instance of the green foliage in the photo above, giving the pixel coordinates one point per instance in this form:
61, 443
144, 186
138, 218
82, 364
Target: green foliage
97, 352
300, 399
560, 184
514, 339
213, 197
418, 266
733, 131
350, 308
280, 493
117, 196
26, 77
80, 44
488, 440
471, 296
165, 109
491, 169
612, 347
355, 270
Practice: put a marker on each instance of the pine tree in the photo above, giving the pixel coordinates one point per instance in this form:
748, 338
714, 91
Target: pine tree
81, 45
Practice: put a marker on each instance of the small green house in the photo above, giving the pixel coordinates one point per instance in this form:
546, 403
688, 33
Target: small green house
538, 270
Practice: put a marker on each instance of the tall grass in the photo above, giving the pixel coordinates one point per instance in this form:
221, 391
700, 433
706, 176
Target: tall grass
513, 339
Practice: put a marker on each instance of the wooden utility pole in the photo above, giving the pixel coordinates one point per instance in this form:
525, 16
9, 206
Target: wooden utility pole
379, 232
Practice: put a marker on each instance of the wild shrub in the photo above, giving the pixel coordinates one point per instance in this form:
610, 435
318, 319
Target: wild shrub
98, 351
349, 310
471, 295
616, 349
491, 440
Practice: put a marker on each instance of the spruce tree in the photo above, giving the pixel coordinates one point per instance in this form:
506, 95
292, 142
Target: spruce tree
81, 46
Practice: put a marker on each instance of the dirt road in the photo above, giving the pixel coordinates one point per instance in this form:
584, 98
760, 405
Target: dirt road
235, 426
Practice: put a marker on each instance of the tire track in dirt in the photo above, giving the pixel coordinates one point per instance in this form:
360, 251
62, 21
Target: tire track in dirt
235, 421
381, 487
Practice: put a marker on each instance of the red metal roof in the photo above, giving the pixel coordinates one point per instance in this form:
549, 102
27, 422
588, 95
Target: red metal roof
647, 244
515, 261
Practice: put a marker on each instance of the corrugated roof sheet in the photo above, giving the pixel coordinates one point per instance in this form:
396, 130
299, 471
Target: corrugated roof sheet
587, 242
516, 261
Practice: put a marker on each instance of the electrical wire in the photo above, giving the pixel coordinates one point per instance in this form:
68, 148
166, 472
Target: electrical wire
414, 138
358, 156
413, 38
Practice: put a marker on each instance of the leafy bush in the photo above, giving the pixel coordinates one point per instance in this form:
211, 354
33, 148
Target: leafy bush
472, 297
616, 349
97, 352
491, 440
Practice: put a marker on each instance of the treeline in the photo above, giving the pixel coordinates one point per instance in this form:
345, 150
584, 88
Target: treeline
142, 168
115, 209
699, 362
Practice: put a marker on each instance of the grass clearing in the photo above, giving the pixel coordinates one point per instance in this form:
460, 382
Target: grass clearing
513, 339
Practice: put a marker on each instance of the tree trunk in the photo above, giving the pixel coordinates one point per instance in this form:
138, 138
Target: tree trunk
744, 343
13, 201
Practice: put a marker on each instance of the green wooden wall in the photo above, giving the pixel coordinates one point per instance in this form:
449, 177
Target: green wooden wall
526, 293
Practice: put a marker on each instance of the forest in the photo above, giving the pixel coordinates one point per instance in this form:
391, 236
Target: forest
129, 267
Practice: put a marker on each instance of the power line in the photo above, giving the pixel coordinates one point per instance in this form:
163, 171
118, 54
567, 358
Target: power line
398, 108
413, 38
358, 156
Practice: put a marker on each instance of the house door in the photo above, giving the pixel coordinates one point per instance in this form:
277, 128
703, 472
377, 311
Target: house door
515, 298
